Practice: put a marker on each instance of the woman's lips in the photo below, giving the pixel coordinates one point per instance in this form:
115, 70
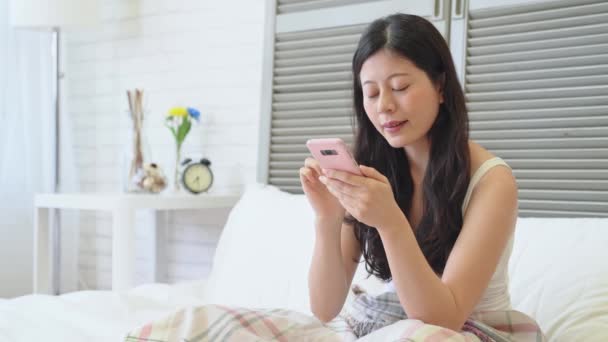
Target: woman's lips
393, 126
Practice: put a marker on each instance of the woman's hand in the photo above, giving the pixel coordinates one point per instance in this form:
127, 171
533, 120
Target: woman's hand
326, 206
367, 198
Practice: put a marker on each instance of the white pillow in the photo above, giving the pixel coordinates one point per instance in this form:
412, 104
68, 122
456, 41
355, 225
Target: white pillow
558, 268
559, 276
264, 252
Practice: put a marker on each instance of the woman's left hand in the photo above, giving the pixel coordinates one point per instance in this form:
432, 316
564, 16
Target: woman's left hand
368, 198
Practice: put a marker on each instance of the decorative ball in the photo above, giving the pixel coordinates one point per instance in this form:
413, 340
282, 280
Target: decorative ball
153, 179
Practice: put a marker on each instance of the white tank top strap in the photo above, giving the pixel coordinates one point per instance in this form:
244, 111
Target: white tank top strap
481, 171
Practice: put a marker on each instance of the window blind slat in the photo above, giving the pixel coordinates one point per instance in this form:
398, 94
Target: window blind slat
561, 52
314, 34
557, 184
543, 44
311, 131
311, 52
301, 139
560, 174
312, 113
562, 82
569, 164
538, 103
540, 25
575, 71
537, 113
565, 205
311, 96
544, 133
540, 35
539, 93
565, 195
534, 12
338, 103
290, 6
310, 43
309, 87
318, 122
552, 153
538, 64
545, 143
569, 122
299, 70
310, 78
555, 213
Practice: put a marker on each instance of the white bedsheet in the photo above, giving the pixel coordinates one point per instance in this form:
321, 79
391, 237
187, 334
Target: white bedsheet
92, 315
558, 271
559, 275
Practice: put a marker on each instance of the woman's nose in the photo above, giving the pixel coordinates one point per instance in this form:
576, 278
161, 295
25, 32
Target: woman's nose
386, 103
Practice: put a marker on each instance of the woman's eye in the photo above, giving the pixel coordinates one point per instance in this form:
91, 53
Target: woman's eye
372, 95
400, 88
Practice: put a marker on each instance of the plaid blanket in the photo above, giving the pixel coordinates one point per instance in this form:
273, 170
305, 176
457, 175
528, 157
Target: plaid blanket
368, 318
369, 313
220, 323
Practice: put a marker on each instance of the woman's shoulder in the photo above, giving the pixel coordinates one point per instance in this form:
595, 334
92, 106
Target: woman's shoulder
500, 181
479, 155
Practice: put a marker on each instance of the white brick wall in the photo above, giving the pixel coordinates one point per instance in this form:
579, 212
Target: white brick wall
200, 53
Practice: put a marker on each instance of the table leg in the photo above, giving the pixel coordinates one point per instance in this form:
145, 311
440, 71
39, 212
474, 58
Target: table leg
123, 249
159, 248
42, 252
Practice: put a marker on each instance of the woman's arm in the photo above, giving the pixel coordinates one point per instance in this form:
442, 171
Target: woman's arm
334, 262
488, 224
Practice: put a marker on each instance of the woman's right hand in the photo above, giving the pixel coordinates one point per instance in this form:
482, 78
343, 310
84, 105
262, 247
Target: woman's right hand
325, 205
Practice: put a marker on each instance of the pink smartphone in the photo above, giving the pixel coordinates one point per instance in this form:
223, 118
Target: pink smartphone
332, 153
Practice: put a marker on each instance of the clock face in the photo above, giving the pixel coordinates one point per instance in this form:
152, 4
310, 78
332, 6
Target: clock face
197, 178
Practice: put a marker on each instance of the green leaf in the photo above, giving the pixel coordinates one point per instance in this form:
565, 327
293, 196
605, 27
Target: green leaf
183, 130
172, 130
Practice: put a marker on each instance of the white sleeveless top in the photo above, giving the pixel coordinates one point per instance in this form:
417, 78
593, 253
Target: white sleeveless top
496, 296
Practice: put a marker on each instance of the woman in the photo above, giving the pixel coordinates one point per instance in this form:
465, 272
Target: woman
434, 213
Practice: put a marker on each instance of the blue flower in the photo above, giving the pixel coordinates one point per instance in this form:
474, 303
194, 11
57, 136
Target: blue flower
195, 114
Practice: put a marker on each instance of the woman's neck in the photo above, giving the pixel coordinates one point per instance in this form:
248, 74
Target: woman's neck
418, 154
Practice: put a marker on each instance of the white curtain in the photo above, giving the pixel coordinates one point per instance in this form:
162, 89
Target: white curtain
27, 102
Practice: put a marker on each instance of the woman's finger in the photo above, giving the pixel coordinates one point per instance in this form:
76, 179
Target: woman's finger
314, 164
339, 186
307, 174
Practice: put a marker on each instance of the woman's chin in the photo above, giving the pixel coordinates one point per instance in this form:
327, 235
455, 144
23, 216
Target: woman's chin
397, 141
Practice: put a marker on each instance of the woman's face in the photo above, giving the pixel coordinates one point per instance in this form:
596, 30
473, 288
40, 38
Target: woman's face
399, 99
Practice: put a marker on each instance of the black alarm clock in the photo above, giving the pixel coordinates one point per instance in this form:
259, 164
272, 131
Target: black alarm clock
197, 176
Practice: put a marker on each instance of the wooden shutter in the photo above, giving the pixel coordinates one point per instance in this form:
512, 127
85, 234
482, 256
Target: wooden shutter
309, 87
536, 83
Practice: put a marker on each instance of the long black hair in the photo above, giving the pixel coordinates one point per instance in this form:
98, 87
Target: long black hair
447, 174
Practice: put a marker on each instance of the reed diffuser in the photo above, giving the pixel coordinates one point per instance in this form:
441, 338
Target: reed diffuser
136, 164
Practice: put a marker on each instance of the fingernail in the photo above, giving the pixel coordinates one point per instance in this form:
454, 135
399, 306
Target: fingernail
323, 179
323, 170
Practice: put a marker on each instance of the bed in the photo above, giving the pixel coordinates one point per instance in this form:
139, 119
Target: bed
558, 275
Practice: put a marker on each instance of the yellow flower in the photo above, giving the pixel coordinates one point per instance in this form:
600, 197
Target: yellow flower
178, 111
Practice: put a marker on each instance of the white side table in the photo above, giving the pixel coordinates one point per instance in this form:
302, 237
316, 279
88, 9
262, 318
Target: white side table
122, 207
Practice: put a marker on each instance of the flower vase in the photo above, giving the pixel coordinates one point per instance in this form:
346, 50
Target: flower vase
176, 180
179, 121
